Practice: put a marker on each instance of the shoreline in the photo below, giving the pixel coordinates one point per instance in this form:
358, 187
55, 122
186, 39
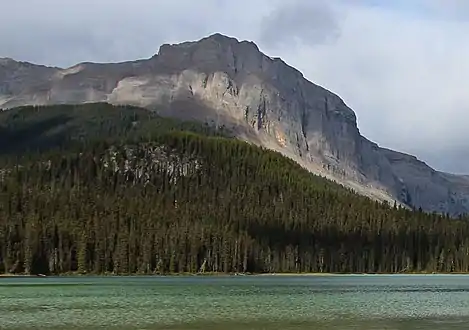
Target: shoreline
21, 275
356, 274
227, 274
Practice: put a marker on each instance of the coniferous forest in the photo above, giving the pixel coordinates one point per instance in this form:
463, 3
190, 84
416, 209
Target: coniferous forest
102, 189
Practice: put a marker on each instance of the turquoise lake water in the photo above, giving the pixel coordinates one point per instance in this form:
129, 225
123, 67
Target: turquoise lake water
236, 302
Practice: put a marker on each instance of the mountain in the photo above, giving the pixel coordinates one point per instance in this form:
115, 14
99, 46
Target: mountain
101, 189
229, 83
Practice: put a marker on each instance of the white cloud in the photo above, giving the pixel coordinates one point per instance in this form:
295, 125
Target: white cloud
58, 32
313, 21
406, 74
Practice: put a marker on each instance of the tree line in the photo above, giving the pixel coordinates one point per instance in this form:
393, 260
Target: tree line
126, 197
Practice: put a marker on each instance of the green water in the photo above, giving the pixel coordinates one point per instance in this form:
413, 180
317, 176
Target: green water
243, 302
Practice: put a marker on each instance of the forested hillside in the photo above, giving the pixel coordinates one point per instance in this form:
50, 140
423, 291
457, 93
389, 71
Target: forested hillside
102, 189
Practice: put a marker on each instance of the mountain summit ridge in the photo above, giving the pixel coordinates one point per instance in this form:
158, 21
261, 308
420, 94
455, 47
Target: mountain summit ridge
231, 83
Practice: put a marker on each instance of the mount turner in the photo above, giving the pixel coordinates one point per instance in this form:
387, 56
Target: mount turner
229, 83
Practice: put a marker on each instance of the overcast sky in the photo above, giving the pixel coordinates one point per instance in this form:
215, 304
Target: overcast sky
402, 65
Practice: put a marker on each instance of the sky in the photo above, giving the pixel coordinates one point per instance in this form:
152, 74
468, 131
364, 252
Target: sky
401, 65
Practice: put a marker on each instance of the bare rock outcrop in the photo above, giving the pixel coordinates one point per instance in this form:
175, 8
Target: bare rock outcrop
226, 82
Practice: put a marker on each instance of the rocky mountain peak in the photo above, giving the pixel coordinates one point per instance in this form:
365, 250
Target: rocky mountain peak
231, 83
215, 42
214, 53
6, 61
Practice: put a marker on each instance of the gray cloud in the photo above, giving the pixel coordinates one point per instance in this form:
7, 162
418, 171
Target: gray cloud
451, 9
50, 32
406, 76
314, 21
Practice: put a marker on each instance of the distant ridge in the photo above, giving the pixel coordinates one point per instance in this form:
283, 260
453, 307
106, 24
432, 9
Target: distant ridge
227, 82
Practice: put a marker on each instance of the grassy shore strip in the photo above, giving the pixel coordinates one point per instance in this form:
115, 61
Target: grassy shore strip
214, 274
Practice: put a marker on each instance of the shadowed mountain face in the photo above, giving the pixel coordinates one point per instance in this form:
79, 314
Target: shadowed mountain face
222, 81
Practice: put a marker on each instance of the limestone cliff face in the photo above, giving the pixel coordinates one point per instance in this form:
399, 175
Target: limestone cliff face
226, 82
22, 82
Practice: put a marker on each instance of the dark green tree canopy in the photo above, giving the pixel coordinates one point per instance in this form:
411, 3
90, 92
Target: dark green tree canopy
102, 189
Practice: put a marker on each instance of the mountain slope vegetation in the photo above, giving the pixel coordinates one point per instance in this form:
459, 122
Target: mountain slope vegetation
228, 82
100, 189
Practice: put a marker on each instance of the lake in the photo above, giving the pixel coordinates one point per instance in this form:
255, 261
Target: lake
236, 302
